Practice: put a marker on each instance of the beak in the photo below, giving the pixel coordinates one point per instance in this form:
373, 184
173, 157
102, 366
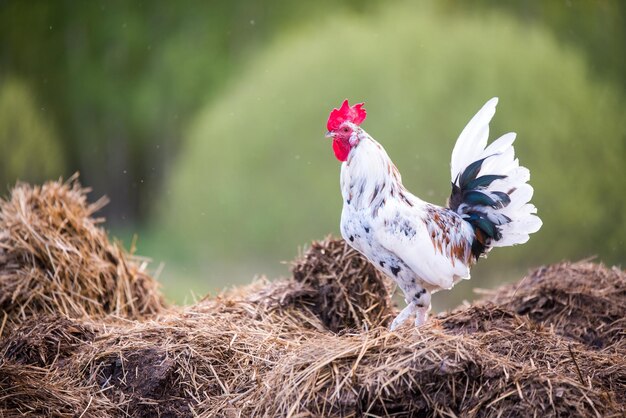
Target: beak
329, 134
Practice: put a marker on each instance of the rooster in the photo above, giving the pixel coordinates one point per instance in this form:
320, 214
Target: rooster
422, 246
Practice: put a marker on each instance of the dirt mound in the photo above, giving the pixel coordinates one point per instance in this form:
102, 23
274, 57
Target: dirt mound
579, 300
317, 345
55, 259
262, 351
349, 293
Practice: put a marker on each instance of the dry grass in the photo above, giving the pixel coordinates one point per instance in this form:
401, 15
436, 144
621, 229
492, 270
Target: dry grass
317, 345
587, 307
55, 259
347, 292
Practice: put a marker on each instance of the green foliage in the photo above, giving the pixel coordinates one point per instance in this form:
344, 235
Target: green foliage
597, 27
258, 177
121, 79
121, 82
28, 143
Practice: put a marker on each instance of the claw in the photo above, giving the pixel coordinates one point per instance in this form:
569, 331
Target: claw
421, 315
403, 316
395, 324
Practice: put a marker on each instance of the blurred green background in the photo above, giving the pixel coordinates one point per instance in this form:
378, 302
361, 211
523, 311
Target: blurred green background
204, 121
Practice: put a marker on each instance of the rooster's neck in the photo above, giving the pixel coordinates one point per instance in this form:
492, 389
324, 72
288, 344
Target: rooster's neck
369, 177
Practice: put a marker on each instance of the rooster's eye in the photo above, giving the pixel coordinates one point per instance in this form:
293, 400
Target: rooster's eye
345, 129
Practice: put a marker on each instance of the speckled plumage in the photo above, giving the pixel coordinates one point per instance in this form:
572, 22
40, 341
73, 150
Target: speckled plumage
425, 247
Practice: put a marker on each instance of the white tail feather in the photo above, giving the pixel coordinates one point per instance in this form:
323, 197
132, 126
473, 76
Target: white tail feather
473, 138
499, 145
517, 219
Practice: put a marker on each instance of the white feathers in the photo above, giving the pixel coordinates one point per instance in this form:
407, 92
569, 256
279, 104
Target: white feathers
517, 232
394, 233
473, 139
517, 219
499, 145
435, 268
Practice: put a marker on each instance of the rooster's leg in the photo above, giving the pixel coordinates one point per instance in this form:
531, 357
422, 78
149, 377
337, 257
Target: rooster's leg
421, 315
418, 304
422, 301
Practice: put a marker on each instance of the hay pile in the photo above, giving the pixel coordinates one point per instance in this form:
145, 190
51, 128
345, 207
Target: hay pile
347, 293
587, 307
55, 259
317, 345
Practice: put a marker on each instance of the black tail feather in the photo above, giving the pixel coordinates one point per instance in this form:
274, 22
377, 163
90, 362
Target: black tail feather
469, 200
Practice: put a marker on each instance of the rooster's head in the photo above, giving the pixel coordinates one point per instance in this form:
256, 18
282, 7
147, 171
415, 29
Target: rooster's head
342, 125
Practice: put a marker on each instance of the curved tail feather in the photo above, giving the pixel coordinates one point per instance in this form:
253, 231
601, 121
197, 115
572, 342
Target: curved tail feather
489, 187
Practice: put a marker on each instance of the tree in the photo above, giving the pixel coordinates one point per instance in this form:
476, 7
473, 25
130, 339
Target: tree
29, 146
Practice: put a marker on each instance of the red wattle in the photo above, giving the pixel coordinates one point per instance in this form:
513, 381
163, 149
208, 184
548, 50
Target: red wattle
341, 149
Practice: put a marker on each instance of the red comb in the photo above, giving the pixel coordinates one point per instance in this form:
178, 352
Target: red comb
355, 114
